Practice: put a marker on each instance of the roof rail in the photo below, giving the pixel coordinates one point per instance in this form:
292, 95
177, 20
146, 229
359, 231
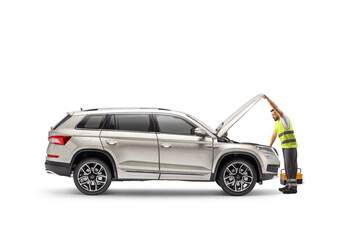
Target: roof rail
164, 109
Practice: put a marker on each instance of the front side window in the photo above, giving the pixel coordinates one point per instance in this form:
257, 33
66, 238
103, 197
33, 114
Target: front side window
91, 122
174, 125
129, 122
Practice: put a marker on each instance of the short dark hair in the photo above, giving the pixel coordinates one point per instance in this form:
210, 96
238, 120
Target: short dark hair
272, 110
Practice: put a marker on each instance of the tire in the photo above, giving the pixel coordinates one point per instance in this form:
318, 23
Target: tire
235, 182
92, 176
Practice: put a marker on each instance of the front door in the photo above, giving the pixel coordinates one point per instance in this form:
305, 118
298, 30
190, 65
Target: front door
131, 139
183, 155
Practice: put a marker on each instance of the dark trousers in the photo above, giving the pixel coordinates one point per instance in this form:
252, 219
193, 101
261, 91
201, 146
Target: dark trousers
290, 162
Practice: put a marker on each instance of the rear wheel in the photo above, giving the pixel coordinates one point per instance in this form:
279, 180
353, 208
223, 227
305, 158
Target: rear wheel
92, 176
237, 177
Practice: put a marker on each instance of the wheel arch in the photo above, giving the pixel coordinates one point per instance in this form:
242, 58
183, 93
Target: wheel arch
85, 153
238, 154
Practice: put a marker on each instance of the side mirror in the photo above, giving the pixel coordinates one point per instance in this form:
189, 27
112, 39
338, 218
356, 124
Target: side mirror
200, 132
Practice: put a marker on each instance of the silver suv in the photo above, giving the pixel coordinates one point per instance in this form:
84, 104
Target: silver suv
97, 146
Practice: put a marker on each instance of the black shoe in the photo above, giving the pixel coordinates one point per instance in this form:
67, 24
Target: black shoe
290, 190
283, 188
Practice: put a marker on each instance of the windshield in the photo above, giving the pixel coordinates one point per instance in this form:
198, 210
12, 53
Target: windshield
202, 123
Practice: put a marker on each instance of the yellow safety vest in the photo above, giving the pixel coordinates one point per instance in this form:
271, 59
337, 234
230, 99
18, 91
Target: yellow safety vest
287, 137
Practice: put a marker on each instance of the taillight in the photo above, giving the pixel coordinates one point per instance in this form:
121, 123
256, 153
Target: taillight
60, 140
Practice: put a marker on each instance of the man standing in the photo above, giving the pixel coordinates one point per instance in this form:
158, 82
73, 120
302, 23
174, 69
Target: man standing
285, 131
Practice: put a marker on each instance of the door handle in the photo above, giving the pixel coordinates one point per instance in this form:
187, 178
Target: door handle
212, 147
166, 145
111, 142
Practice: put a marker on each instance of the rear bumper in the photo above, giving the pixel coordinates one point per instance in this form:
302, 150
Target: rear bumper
62, 169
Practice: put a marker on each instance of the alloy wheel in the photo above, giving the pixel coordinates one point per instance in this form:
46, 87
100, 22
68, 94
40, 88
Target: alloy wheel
238, 177
92, 176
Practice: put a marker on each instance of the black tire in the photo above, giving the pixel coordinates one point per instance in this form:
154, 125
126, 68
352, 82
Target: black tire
94, 182
240, 183
217, 181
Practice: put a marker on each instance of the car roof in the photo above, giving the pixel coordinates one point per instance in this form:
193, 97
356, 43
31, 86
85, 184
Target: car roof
123, 110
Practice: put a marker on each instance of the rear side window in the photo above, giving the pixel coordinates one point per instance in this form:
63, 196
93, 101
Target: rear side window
91, 122
110, 122
129, 122
62, 121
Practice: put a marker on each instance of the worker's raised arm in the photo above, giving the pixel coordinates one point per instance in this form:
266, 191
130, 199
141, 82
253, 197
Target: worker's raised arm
273, 138
274, 106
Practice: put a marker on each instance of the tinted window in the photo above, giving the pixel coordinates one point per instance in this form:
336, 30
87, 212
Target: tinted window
91, 122
110, 122
61, 122
129, 122
136, 122
174, 125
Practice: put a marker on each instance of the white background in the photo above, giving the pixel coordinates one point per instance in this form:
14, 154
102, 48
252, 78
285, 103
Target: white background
203, 57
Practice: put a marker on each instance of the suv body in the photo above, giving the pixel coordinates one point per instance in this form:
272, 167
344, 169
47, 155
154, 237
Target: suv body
97, 146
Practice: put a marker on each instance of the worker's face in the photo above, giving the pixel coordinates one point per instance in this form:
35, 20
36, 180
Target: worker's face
274, 115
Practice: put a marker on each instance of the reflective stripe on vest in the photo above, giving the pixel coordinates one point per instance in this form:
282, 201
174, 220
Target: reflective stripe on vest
286, 136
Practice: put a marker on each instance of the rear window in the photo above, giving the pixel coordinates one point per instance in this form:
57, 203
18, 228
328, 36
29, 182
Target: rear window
62, 121
91, 122
129, 122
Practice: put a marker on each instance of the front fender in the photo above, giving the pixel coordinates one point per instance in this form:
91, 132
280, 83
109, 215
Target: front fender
226, 149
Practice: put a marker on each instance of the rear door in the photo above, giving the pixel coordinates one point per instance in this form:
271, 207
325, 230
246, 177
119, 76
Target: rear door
131, 139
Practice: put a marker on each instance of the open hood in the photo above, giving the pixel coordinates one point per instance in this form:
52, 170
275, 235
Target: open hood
233, 118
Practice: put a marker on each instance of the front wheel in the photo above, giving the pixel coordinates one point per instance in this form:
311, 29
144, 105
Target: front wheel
237, 177
92, 176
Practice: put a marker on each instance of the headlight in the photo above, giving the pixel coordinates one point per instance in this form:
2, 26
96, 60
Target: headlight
267, 149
